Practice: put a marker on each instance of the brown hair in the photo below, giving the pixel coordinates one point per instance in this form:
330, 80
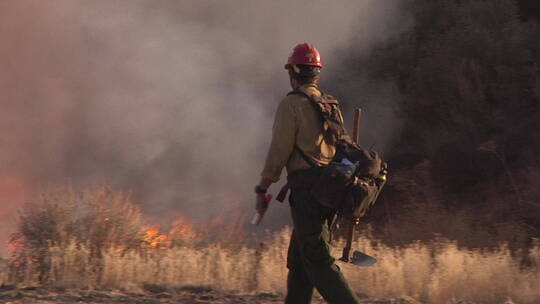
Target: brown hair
306, 74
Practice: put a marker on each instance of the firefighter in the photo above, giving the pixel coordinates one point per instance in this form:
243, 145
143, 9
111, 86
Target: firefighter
300, 143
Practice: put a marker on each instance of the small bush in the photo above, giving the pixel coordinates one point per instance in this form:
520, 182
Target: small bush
95, 219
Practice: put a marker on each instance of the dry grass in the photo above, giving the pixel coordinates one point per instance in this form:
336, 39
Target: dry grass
93, 239
437, 273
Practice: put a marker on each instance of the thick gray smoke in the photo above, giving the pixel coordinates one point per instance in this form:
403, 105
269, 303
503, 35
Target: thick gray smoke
173, 100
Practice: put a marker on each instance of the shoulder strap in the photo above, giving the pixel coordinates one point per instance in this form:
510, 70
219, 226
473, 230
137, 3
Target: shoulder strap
328, 107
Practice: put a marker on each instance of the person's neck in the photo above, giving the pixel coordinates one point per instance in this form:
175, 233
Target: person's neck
296, 86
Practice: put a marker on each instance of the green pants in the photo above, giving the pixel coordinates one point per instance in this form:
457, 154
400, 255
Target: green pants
309, 260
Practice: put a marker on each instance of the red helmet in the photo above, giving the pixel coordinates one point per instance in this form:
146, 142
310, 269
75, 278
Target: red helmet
305, 54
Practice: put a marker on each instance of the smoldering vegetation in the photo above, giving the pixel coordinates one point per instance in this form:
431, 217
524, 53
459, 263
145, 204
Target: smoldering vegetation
94, 239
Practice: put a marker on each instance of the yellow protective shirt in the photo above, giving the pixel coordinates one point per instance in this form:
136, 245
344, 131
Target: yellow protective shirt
298, 123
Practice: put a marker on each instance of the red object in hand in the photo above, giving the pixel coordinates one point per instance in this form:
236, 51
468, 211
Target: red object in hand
259, 215
305, 54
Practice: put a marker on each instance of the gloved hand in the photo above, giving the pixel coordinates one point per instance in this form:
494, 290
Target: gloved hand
261, 200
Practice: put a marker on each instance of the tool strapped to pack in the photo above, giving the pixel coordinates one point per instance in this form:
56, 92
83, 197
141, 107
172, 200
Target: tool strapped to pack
354, 178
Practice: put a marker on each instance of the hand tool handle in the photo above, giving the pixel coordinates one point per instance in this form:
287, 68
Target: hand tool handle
356, 125
350, 231
354, 221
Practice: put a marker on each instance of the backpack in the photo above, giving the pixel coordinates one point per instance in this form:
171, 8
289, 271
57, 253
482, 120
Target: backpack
352, 181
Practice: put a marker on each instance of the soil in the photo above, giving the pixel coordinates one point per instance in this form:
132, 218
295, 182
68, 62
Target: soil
150, 294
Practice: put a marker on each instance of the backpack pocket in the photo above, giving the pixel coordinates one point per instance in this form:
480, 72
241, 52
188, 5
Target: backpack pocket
360, 195
331, 186
339, 188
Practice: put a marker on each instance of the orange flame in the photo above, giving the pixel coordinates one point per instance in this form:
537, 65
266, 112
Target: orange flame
182, 232
152, 237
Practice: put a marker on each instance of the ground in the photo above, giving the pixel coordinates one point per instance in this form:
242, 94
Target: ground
150, 294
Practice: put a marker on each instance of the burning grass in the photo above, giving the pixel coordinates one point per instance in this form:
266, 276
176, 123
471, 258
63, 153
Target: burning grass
435, 272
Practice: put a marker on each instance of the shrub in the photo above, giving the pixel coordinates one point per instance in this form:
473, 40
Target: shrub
95, 218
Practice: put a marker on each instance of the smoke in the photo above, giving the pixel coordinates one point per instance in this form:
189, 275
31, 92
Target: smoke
172, 100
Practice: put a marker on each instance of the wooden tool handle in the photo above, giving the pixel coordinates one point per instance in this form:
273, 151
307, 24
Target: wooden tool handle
356, 125
354, 221
347, 249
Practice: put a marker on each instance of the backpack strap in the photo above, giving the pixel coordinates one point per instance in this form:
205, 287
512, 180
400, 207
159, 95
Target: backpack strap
328, 107
305, 157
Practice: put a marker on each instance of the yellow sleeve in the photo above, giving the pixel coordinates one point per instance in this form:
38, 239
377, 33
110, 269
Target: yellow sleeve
283, 141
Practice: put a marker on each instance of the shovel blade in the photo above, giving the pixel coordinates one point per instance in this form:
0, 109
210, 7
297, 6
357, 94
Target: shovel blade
361, 259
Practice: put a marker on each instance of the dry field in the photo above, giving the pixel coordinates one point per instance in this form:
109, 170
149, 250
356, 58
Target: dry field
91, 247
436, 273
153, 295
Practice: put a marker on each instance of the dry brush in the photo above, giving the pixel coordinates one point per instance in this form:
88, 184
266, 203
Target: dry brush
74, 238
